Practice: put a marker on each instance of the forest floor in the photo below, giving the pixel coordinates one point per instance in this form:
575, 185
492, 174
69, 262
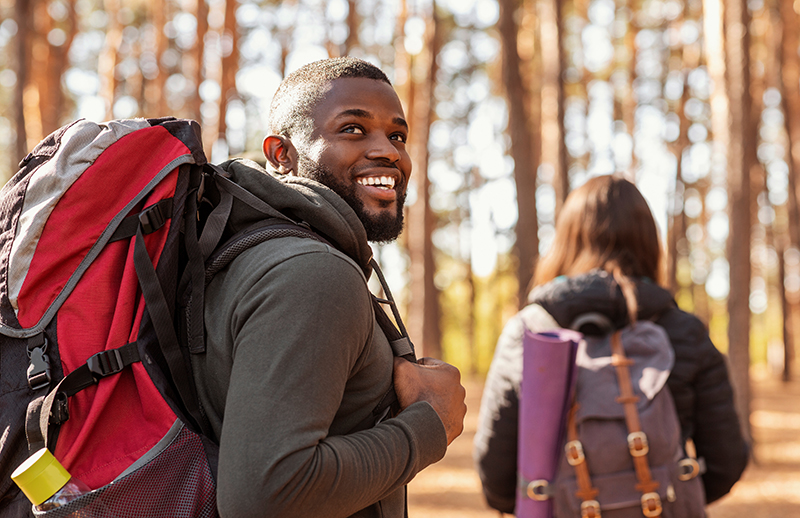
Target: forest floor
769, 488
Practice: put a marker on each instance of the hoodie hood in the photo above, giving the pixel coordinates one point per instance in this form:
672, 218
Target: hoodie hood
302, 200
566, 298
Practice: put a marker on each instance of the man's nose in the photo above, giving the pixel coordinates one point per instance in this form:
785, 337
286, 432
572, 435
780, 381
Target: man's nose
382, 148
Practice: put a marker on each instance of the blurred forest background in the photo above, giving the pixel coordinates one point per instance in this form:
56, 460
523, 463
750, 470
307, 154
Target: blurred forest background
511, 105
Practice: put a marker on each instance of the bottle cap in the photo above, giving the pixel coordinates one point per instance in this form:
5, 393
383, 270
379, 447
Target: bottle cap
40, 476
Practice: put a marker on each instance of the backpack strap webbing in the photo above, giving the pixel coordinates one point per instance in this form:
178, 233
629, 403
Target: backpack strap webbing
637, 440
52, 407
402, 347
590, 507
162, 321
398, 336
150, 219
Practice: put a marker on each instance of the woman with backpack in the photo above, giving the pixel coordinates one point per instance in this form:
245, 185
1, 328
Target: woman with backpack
606, 259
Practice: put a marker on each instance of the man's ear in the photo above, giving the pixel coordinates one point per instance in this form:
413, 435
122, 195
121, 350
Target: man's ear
281, 154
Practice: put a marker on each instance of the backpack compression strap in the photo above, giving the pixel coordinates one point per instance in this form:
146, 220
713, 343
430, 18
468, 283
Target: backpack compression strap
590, 507
52, 408
637, 440
637, 444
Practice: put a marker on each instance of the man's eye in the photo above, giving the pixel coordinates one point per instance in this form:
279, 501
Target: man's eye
353, 129
399, 137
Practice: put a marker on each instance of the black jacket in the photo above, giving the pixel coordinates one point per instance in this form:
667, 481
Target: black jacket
698, 383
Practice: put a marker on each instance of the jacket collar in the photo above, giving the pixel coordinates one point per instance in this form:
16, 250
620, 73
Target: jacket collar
566, 298
308, 202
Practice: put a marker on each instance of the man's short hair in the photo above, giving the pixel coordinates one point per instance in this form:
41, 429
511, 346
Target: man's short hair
298, 93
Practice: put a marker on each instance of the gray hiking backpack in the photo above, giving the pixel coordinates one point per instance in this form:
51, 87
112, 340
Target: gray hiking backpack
624, 455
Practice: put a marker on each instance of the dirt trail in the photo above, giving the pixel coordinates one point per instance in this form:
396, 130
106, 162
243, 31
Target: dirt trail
769, 488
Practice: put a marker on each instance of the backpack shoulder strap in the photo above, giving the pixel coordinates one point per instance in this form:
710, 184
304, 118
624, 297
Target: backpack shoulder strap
254, 235
396, 334
402, 347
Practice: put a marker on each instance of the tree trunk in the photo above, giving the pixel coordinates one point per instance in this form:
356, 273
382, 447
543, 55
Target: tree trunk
59, 63
109, 56
786, 312
522, 149
677, 228
23, 15
134, 84
49, 62
675, 232
46, 82
715, 60
423, 312
230, 65
402, 61
198, 55
554, 152
789, 67
790, 96
718, 99
36, 89
741, 157
474, 181
629, 102
353, 23
154, 86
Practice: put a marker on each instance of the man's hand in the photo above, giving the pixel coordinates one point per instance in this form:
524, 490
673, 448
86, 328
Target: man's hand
436, 382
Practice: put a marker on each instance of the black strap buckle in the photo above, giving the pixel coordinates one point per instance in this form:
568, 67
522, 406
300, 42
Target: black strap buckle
152, 218
105, 364
38, 369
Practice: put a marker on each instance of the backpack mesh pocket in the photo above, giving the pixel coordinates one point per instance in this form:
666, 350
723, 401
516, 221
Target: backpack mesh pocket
176, 482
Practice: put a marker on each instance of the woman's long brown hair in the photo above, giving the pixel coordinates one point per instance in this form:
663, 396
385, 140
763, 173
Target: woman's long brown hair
605, 224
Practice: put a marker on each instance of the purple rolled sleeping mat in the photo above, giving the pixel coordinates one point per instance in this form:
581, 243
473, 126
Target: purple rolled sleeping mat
548, 382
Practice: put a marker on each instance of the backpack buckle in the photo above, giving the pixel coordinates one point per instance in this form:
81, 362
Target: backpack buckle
39, 368
590, 509
105, 363
574, 450
688, 468
651, 505
152, 218
538, 490
637, 444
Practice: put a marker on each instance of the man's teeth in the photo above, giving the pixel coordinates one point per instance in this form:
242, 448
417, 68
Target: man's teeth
387, 182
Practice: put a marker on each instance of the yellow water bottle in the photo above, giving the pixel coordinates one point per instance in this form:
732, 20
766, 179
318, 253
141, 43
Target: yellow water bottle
46, 483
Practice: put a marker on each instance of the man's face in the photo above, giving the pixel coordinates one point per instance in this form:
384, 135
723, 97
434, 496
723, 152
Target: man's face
358, 149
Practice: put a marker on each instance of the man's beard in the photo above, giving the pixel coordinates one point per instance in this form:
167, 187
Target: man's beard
383, 227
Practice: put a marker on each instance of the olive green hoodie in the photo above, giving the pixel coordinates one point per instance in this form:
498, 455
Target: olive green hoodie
295, 360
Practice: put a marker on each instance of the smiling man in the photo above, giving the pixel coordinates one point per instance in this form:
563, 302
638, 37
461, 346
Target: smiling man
352, 139
299, 369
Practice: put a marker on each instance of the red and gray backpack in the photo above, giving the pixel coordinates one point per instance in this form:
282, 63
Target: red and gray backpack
109, 234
